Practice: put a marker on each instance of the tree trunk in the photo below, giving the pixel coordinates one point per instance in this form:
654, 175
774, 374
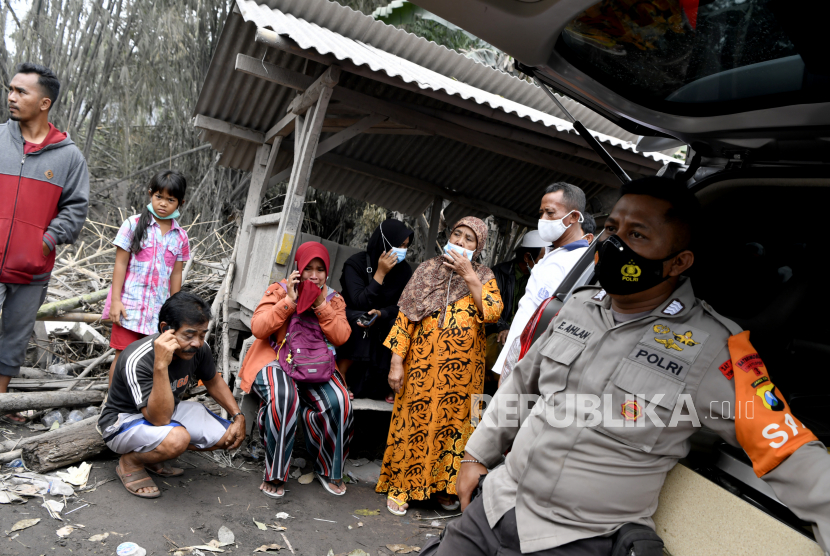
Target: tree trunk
10, 403
66, 446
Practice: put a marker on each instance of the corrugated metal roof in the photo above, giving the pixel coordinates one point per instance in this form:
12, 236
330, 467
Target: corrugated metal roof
329, 28
460, 169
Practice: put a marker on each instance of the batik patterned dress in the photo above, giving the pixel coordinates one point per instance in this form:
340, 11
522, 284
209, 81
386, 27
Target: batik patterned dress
431, 421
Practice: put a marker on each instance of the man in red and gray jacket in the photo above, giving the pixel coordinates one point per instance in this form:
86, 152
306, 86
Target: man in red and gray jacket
44, 195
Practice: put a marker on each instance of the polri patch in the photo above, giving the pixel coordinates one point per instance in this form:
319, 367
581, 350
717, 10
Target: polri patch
679, 341
660, 361
575, 331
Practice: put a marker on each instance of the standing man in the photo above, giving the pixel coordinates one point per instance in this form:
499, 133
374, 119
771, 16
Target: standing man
44, 187
511, 278
145, 421
654, 363
560, 219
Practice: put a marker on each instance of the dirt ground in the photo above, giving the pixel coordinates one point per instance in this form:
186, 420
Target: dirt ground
194, 506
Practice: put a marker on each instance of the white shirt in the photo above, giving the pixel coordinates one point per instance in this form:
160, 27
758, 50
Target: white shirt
544, 280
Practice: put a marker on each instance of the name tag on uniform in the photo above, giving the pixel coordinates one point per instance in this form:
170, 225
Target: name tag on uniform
574, 331
669, 347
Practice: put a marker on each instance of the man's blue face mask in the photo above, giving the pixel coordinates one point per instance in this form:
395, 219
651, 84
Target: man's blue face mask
460, 250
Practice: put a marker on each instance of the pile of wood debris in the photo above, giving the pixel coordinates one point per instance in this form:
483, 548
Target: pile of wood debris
69, 356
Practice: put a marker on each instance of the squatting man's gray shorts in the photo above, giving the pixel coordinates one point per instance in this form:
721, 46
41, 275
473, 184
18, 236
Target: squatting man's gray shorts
133, 433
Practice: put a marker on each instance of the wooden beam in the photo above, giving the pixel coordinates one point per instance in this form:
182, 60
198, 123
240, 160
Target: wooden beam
434, 222
212, 124
474, 138
274, 73
335, 141
287, 45
306, 143
424, 187
266, 157
303, 102
282, 128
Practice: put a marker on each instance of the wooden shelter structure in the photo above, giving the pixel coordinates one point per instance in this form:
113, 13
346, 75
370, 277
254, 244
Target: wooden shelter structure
314, 93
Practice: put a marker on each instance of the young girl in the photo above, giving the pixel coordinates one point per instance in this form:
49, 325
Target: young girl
150, 251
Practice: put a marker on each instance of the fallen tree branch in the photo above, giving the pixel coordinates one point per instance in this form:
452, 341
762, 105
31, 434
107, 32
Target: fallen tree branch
9, 403
49, 309
65, 446
91, 366
89, 318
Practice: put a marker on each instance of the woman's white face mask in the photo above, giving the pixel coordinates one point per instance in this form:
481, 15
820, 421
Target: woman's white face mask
551, 230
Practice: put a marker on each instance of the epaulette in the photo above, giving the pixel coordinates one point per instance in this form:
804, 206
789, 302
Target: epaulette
731, 326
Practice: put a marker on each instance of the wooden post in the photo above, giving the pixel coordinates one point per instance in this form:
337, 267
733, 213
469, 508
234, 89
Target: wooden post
266, 156
434, 222
307, 133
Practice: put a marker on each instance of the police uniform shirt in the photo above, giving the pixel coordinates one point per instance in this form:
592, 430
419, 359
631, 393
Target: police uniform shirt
569, 481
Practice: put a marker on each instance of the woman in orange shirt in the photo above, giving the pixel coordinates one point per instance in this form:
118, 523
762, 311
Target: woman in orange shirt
324, 406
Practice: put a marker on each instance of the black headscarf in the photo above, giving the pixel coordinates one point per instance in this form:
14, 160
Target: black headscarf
390, 233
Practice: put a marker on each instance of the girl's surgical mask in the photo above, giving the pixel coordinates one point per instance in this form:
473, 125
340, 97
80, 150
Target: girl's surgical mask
399, 252
551, 230
460, 250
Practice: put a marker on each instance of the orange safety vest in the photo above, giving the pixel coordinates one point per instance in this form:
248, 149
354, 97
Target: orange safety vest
764, 424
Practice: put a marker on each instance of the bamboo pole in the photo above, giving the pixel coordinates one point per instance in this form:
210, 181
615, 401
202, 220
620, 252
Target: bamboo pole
50, 309
89, 318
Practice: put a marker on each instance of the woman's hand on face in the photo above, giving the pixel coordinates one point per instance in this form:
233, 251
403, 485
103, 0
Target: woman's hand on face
396, 375
321, 298
461, 265
372, 312
387, 262
293, 280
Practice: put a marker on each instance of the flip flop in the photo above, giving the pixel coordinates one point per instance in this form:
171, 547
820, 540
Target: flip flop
395, 512
274, 494
390, 398
452, 506
135, 482
165, 471
325, 484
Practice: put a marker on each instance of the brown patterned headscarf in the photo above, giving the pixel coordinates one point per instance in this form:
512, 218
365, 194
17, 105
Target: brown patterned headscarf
434, 286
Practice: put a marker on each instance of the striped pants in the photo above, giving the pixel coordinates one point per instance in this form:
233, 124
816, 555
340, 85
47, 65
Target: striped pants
327, 421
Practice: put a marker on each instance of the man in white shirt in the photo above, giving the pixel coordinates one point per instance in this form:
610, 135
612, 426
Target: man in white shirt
560, 219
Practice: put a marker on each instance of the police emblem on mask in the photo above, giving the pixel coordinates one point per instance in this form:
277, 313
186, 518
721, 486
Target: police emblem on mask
631, 272
631, 411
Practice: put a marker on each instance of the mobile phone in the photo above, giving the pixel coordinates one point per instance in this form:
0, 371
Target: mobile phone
166, 328
367, 319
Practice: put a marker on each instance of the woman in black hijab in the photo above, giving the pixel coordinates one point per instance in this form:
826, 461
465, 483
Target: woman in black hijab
372, 282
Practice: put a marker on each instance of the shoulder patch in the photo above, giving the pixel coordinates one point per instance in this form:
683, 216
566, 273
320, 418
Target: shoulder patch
726, 369
673, 308
600, 295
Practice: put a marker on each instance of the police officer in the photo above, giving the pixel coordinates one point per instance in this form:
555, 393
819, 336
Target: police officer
624, 376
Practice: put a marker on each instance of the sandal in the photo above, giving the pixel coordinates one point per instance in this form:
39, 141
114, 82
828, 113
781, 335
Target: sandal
165, 470
447, 503
390, 397
274, 494
136, 478
326, 486
398, 512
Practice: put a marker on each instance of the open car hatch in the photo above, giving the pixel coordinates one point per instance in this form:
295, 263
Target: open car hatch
735, 79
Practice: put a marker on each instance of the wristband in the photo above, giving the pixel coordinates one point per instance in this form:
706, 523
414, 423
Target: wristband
471, 461
235, 414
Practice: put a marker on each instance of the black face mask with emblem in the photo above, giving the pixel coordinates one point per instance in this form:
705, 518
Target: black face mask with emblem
621, 271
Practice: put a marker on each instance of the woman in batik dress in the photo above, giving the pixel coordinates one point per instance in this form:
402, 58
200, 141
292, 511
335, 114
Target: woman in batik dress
438, 346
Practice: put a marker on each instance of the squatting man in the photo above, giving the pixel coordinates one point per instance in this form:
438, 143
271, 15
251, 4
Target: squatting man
144, 419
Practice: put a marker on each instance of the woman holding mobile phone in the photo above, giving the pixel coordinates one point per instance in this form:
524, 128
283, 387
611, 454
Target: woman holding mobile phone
371, 283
